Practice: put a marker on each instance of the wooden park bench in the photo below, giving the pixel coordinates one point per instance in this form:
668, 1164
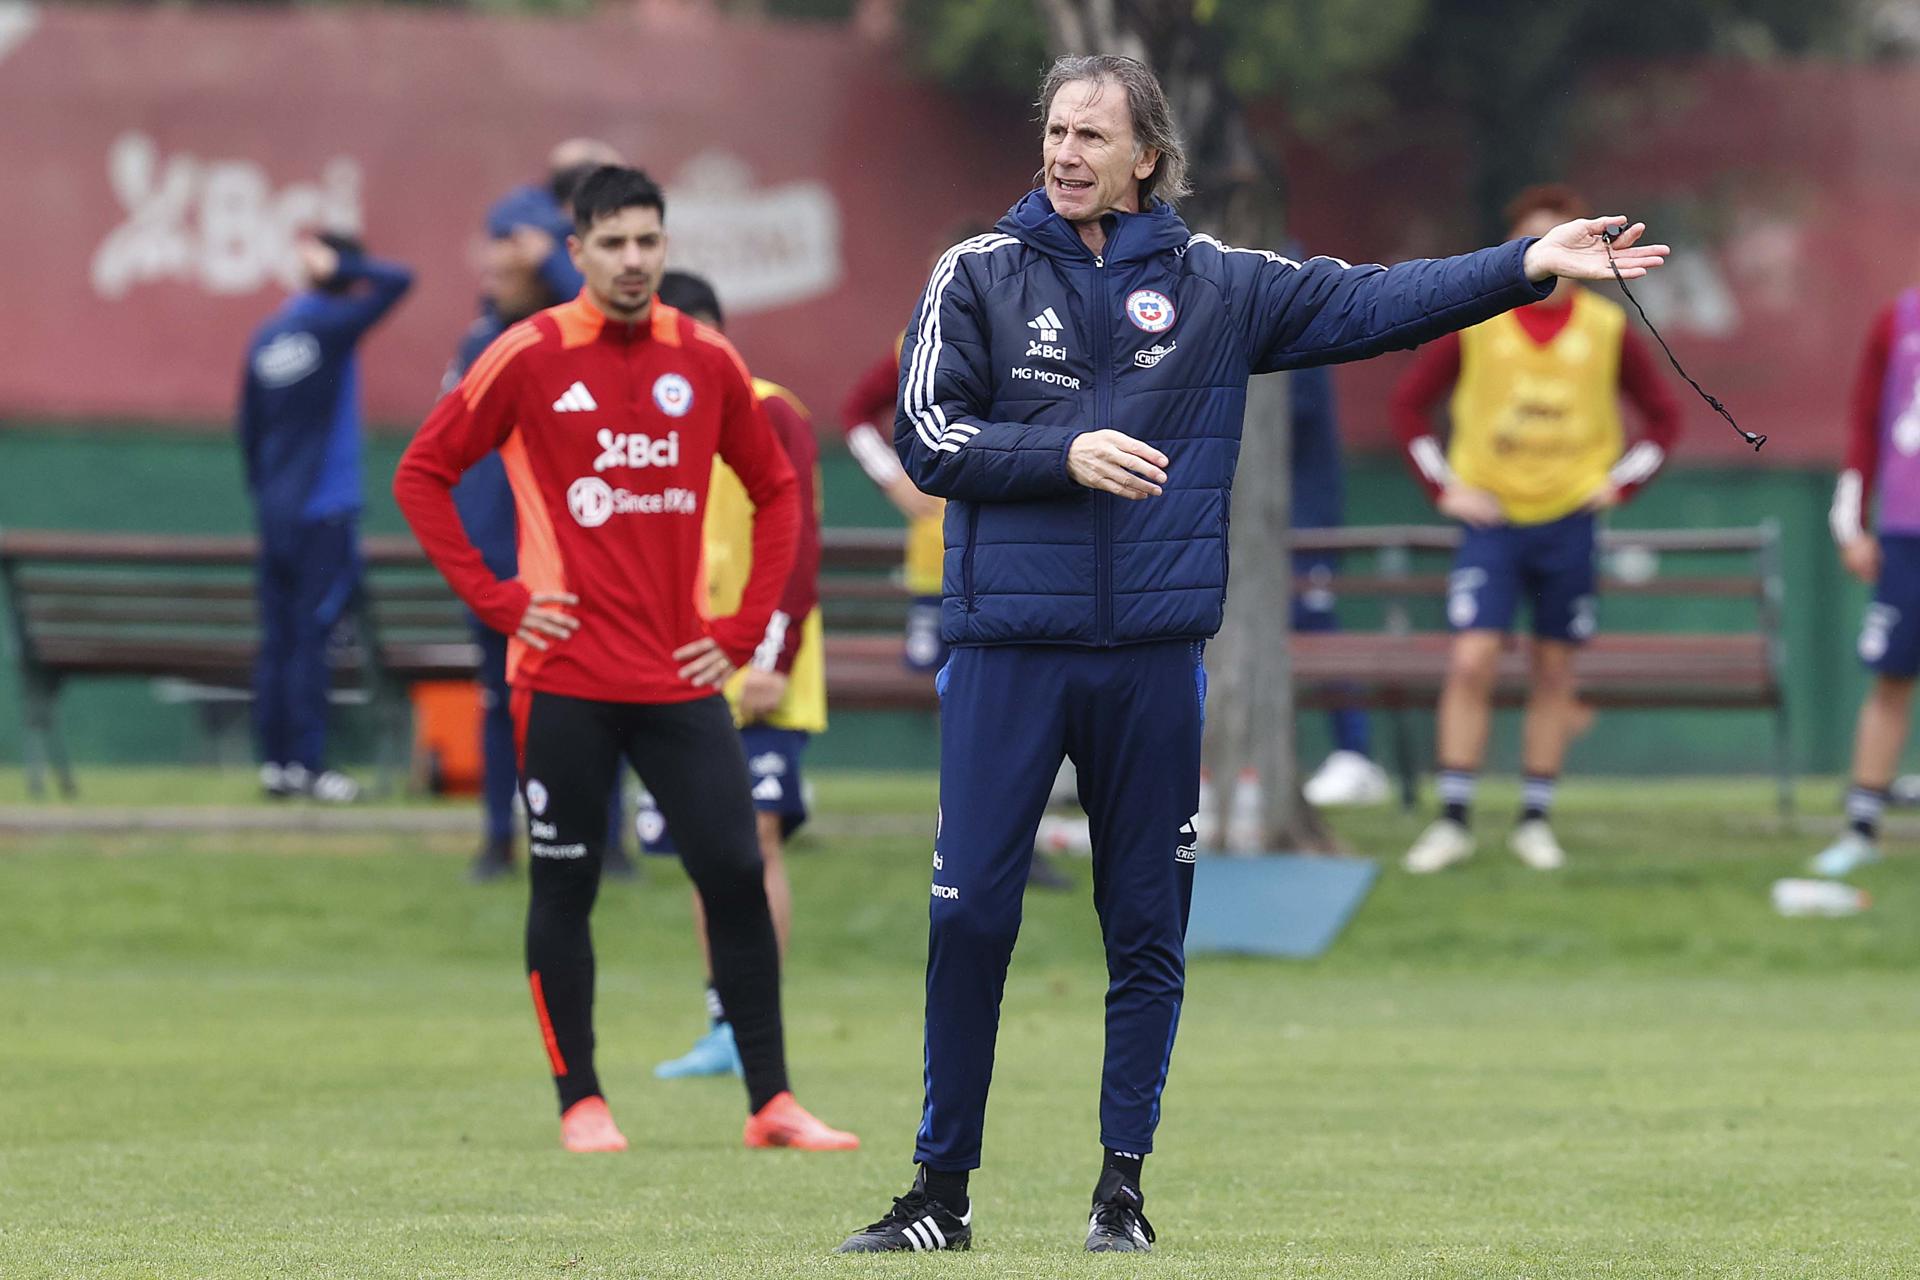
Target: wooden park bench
88, 605
1401, 664
84, 605
181, 609
1397, 664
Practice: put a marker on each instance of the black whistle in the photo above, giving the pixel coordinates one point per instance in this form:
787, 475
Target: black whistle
1613, 233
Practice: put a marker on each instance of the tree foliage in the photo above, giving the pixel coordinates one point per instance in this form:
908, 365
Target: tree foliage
1508, 68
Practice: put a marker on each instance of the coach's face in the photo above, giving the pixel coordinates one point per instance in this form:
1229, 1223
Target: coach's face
1092, 164
621, 257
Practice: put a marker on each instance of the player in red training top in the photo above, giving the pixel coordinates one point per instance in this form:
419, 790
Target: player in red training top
608, 412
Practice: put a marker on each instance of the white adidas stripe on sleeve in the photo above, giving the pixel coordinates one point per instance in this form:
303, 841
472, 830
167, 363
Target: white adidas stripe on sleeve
874, 454
929, 422
1432, 461
1846, 518
1637, 465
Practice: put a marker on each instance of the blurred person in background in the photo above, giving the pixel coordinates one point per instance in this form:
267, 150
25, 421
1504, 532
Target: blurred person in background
525, 268
1348, 776
866, 416
613, 654
300, 438
1883, 457
1536, 455
779, 698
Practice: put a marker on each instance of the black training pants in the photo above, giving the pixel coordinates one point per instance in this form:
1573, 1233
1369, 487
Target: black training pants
689, 756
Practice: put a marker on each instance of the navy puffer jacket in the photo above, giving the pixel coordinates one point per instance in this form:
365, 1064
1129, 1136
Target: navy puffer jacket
1024, 339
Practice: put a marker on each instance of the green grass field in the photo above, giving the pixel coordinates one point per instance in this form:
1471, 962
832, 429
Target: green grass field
277, 1055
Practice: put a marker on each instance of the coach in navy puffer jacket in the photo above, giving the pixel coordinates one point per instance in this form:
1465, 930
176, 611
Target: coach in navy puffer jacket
1075, 383
1026, 339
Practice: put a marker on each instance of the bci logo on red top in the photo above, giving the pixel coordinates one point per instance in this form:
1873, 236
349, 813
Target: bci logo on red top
637, 449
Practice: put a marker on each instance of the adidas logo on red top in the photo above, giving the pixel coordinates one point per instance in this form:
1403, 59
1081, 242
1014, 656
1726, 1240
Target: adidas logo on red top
575, 399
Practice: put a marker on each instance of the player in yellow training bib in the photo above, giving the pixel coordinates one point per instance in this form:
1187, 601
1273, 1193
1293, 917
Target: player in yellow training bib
779, 698
1535, 453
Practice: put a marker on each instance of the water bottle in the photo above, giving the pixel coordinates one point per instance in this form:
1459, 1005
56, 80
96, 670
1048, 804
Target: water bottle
1206, 823
1818, 898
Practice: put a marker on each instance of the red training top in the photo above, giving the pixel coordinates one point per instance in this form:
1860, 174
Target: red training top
608, 431
1854, 495
1436, 368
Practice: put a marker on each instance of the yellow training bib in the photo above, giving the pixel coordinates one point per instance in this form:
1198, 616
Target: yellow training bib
1538, 425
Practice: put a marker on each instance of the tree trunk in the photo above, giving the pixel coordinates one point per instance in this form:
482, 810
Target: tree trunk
1250, 739
1241, 198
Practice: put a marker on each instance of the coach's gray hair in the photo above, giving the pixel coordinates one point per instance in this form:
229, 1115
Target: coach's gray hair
1146, 102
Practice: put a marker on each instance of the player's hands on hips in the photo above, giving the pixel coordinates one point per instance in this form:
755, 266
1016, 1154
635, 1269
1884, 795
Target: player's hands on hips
761, 691
1578, 251
546, 621
1861, 555
702, 662
1471, 506
1606, 498
911, 503
1114, 462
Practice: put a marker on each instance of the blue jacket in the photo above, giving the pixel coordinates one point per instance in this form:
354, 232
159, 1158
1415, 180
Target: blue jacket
1024, 339
483, 497
300, 396
1319, 479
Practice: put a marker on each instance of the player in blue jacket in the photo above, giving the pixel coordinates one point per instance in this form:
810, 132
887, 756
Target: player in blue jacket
526, 268
1349, 775
300, 432
1073, 384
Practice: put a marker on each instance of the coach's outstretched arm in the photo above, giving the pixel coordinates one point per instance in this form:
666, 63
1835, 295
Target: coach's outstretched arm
1324, 311
941, 431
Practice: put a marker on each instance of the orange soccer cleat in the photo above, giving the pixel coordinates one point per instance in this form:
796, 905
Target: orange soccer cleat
785, 1123
587, 1125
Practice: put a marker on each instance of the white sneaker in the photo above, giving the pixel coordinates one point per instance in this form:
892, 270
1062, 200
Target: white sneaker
1533, 843
1442, 844
1348, 778
332, 787
1846, 855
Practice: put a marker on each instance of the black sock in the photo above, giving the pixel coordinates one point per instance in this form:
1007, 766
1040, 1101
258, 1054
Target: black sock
950, 1189
1864, 805
1126, 1163
1536, 796
1456, 793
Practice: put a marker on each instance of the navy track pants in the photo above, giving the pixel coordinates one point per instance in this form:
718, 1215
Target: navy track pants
1130, 719
306, 578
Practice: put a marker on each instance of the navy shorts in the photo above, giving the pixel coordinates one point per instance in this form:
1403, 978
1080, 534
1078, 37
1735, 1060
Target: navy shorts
1549, 565
773, 762
1890, 634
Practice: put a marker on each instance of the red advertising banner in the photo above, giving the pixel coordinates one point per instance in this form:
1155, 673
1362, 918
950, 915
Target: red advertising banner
156, 163
1790, 194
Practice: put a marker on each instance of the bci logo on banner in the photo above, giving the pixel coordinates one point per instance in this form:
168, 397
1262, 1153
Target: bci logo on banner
763, 247
219, 224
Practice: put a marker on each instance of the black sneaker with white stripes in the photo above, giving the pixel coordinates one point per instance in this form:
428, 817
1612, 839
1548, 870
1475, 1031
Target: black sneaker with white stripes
1117, 1225
917, 1223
